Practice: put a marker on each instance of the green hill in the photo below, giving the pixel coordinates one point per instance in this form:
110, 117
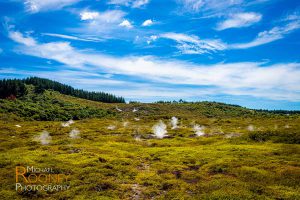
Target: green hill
11, 88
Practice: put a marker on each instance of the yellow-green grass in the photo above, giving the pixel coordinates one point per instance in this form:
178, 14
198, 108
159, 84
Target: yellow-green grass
112, 164
129, 163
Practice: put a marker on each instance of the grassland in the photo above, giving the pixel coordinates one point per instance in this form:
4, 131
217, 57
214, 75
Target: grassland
231, 161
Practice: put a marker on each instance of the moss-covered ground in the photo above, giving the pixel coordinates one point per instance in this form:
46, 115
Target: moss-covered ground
232, 161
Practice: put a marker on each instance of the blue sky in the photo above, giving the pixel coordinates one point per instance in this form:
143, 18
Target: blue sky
243, 52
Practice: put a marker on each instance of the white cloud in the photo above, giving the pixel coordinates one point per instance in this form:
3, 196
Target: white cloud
278, 81
130, 3
151, 39
274, 34
126, 23
216, 8
110, 16
70, 37
147, 22
139, 3
18, 37
88, 15
240, 20
192, 5
210, 6
103, 24
191, 44
45, 5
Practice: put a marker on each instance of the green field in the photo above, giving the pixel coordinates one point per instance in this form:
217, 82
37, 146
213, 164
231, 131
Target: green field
243, 154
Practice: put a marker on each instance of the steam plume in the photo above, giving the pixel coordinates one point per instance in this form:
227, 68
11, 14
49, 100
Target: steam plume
44, 138
74, 134
250, 128
159, 129
125, 124
198, 130
111, 127
174, 122
68, 123
118, 109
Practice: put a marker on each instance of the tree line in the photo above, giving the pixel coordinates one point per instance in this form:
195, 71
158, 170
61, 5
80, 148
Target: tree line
14, 88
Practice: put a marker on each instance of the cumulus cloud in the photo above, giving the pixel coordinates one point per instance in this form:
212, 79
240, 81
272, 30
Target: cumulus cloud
125, 23
192, 44
239, 20
147, 22
45, 5
277, 81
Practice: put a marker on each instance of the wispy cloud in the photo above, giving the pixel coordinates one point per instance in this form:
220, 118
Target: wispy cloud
86, 15
291, 24
191, 44
102, 24
109, 16
70, 37
45, 5
279, 81
130, 3
239, 20
208, 7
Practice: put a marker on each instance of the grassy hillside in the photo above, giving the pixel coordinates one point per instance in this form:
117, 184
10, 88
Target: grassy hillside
12, 88
243, 154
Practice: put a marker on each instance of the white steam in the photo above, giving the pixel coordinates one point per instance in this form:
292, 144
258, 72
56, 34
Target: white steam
118, 109
250, 128
137, 138
44, 138
286, 126
199, 130
125, 124
174, 122
159, 129
111, 127
68, 123
74, 134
